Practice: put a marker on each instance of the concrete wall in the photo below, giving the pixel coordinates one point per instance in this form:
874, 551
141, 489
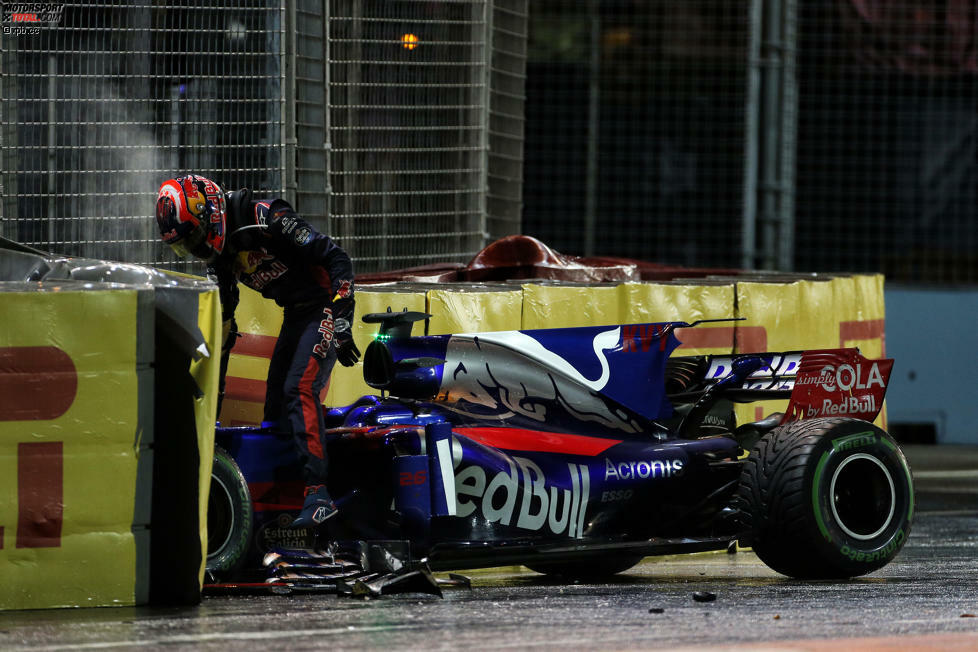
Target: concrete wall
932, 335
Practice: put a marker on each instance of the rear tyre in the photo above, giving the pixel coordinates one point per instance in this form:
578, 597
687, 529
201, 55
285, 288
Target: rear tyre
587, 569
826, 498
229, 515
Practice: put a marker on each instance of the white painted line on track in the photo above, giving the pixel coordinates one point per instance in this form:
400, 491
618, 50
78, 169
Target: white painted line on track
948, 512
153, 641
964, 473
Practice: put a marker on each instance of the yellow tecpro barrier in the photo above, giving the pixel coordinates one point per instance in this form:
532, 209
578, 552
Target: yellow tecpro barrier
75, 400
568, 305
658, 302
105, 440
474, 310
779, 315
206, 374
259, 321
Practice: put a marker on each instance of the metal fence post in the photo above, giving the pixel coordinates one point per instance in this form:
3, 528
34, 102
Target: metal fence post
327, 128
288, 100
789, 134
593, 129
507, 98
752, 120
485, 77
778, 109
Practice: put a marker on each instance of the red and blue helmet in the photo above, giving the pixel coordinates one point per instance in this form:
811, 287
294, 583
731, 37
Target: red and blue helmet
191, 212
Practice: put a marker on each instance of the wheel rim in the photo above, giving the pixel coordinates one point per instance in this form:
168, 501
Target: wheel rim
220, 517
863, 496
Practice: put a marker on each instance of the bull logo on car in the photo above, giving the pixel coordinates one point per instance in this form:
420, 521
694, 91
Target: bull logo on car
489, 373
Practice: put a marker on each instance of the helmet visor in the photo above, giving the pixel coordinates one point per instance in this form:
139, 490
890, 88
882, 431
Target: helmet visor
194, 244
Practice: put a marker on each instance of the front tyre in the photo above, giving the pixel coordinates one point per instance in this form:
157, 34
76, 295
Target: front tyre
229, 515
826, 498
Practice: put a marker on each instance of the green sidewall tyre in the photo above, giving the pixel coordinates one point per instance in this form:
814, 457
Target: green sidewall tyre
826, 498
229, 516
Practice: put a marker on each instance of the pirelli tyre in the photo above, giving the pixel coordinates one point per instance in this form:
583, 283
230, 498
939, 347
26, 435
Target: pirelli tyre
826, 498
229, 515
594, 568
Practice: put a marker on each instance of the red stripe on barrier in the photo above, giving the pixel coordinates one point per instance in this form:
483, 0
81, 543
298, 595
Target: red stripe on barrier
37, 383
244, 389
514, 439
260, 346
746, 339
870, 329
706, 338
40, 494
750, 339
311, 408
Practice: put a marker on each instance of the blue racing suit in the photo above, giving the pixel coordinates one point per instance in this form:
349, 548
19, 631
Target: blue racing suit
275, 252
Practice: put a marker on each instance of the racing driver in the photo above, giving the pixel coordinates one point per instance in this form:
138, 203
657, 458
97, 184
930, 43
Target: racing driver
264, 244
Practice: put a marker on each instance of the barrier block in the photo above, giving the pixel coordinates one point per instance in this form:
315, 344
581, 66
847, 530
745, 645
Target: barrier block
206, 373
796, 315
568, 306
787, 316
259, 321
474, 309
79, 370
656, 302
861, 312
780, 315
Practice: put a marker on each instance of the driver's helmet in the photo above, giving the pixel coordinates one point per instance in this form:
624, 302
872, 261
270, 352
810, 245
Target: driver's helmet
191, 212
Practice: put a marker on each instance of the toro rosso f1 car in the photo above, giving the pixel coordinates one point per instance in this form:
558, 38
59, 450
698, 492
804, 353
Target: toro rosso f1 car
576, 452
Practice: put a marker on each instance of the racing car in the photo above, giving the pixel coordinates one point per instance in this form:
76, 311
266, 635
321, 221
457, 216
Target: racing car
576, 452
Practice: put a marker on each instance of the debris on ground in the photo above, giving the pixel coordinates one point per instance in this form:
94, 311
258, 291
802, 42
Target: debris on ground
704, 596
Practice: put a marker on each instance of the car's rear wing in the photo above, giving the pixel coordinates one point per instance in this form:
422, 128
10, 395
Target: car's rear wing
773, 377
825, 382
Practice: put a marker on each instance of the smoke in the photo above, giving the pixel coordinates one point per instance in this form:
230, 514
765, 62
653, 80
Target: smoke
120, 167
101, 116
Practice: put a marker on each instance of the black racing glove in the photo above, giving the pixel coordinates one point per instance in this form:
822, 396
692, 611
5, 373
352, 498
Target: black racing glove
347, 352
229, 331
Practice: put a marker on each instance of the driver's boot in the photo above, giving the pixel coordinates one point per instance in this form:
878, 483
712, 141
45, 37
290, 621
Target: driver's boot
317, 507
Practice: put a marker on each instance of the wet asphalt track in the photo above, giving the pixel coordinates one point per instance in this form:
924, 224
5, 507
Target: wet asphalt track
926, 599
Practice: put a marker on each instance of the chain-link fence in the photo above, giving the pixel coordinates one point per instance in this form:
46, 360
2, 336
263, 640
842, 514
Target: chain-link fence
830, 135
104, 103
379, 120
407, 127
888, 138
636, 128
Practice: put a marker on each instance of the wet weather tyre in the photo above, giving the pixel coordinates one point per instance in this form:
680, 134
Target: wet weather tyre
590, 569
229, 515
826, 498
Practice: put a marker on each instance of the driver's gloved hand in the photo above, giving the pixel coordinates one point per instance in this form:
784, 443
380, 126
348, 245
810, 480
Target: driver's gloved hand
347, 353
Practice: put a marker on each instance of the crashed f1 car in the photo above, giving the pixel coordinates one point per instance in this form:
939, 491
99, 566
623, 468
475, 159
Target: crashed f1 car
579, 451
